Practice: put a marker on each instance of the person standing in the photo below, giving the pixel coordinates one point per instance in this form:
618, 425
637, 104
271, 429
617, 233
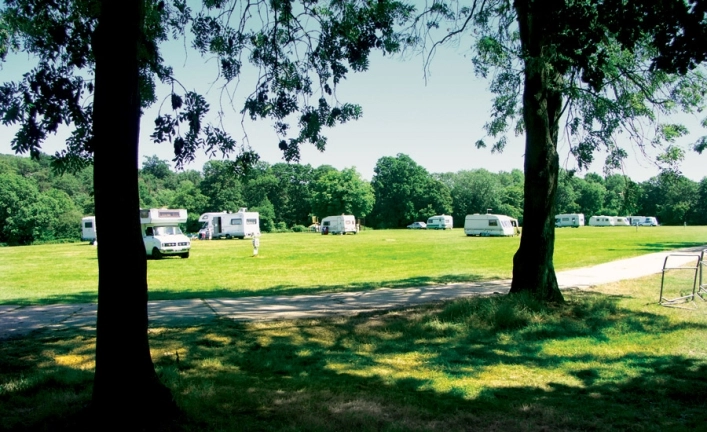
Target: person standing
256, 245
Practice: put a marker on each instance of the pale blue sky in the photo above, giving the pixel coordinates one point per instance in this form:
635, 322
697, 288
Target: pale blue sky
435, 123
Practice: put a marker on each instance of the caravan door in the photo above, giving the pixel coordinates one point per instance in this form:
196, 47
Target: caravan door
216, 223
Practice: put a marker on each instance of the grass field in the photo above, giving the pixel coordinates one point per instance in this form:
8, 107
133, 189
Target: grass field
296, 263
610, 359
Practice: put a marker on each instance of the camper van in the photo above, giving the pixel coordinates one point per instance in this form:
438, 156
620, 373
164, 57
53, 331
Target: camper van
602, 221
487, 225
442, 222
643, 221
342, 224
574, 220
161, 233
88, 229
229, 225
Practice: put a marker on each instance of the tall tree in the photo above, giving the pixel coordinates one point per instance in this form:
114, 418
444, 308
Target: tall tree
406, 192
342, 192
603, 66
302, 53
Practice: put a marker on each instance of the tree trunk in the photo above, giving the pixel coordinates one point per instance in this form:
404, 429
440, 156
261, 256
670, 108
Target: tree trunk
533, 271
126, 387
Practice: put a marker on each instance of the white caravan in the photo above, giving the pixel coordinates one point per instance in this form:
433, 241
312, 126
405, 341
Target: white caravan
487, 225
161, 233
574, 220
225, 224
440, 222
88, 229
622, 221
341, 224
602, 220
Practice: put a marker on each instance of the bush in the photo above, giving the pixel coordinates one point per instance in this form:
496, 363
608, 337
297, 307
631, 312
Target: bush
299, 228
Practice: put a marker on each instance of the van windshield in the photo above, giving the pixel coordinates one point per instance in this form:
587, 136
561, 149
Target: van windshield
168, 230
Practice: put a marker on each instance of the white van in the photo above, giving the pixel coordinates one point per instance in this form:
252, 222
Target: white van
229, 225
88, 229
442, 222
486, 225
161, 233
574, 220
342, 224
602, 220
643, 221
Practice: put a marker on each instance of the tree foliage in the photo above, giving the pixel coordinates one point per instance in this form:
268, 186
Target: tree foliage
405, 192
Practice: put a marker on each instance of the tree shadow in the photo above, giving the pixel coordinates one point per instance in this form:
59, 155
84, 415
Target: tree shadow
420, 369
277, 290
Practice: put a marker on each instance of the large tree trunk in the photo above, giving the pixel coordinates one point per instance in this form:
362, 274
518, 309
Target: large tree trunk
126, 387
533, 270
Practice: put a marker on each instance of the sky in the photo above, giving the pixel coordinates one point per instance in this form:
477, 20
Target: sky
435, 121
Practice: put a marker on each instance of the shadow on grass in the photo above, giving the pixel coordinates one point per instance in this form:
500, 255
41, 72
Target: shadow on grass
436, 368
218, 292
665, 246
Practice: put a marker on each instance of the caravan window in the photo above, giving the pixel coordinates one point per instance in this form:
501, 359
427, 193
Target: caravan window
251, 221
89, 224
348, 222
325, 223
493, 222
565, 219
236, 222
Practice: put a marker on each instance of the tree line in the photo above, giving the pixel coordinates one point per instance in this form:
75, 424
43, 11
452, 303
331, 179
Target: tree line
37, 204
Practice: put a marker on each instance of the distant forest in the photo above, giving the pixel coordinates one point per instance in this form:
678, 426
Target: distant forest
39, 205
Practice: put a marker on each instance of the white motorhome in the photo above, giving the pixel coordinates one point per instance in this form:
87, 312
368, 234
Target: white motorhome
161, 233
341, 224
88, 229
622, 221
442, 222
487, 225
228, 225
574, 220
602, 220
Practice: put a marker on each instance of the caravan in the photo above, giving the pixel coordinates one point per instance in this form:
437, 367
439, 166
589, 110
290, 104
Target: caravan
342, 224
602, 220
487, 225
574, 220
622, 221
229, 225
442, 222
88, 229
161, 233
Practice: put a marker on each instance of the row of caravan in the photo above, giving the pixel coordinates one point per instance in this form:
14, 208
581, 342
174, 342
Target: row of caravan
576, 220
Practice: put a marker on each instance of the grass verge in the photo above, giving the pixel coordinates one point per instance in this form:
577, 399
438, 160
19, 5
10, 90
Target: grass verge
301, 263
609, 359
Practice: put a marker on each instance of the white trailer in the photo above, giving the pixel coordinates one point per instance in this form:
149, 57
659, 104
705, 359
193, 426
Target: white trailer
574, 220
228, 225
161, 233
622, 221
602, 220
487, 225
442, 222
341, 224
88, 229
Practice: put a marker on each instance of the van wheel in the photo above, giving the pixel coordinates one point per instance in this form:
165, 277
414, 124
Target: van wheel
156, 254
184, 255
228, 236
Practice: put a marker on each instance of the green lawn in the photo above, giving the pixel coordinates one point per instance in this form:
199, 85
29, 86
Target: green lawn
296, 263
609, 359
